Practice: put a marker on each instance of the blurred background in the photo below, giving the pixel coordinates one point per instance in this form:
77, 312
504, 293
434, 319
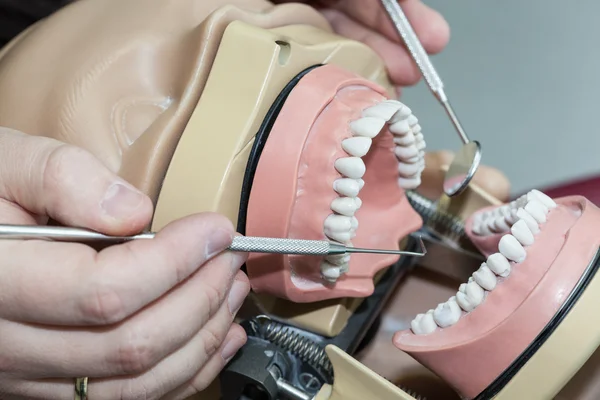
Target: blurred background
524, 78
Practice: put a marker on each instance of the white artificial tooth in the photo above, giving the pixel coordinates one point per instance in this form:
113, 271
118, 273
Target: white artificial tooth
485, 229
352, 167
347, 187
447, 314
499, 225
474, 292
521, 231
503, 211
462, 288
400, 128
367, 126
543, 198
512, 217
408, 170
409, 184
344, 205
415, 325
354, 223
529, 220
498, 264
421, 145
412, 120
464, 302
339, 236
357, 146
416, 128
337, 223
477, 225
338, 259
384, 110
512, 249
358, 202
537, 210
403, 113
427, 322
485, 277
405, 140
361, 184
330, 272
404, 153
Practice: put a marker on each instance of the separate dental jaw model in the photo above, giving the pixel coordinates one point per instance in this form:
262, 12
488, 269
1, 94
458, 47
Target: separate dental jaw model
388, 115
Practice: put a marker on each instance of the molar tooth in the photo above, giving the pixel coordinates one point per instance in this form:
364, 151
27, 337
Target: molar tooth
537, 210
542, 198
404, 153
427, 323
409, 183
352, 167
344, 205
447, 314
347, 187
338, 236
403, 113
520, 202
354, 223
521, 231
499, 225
337, 223
421, 145
357, 146
471, 297
405, 140
512, 249
529, 220
384, 110
330, 272
485, 277
498, 264
400, 128
512, 217
367, 126
416, 128
412, 120
408, 170
338, 260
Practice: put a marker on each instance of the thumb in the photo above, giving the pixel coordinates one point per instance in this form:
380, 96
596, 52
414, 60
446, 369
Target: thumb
68, 184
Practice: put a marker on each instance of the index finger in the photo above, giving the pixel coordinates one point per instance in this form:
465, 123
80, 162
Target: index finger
71, 284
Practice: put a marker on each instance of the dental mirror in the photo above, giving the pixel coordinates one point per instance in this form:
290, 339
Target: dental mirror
462, 169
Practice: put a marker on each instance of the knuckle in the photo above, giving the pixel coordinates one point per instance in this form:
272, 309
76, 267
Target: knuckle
211, 340
213, 296
58, 162
136, 354
104, 306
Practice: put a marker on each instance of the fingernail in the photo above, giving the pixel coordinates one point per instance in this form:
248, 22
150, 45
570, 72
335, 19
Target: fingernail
237, 295
231, 347
218, 241
121, 201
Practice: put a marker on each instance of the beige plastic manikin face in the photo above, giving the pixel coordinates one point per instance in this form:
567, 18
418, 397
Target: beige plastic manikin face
169, 95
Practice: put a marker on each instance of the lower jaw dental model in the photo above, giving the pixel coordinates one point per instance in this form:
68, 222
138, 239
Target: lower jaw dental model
262, 114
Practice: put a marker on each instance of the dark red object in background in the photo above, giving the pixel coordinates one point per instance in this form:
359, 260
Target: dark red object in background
587, 187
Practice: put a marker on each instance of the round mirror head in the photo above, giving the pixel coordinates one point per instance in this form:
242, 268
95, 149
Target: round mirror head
462, 169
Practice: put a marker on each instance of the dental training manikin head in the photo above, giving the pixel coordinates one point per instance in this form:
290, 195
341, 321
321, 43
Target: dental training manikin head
262, 114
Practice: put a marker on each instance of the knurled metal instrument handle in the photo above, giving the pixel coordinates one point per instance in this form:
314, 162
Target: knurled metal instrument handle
414, 47
280, 246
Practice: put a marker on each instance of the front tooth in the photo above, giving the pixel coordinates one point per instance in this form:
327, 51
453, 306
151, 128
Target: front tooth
471, 297
357, 146
358, 202
537, 210
543, 198
361, 184
499, 264
410, 183
412, 120
447, 314
347, 187
512, 249
529, 220
352, 167
485, 277
403, 113
408, 170
404, 153
400, 128
367, 126
384, 110
521, 231
337, 223
345, 206
405, 140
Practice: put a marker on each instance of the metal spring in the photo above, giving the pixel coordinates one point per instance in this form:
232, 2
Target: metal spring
303, 347
441, 221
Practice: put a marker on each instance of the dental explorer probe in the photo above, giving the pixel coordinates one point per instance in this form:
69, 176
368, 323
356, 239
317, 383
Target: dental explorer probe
240, 243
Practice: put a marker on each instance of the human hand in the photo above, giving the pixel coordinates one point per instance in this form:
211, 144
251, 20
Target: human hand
366, 21
146, 319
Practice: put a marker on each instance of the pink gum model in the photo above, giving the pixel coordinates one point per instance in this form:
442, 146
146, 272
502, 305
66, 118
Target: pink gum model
293, 189
475, 351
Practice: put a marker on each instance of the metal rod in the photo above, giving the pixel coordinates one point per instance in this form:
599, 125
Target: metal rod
420, 57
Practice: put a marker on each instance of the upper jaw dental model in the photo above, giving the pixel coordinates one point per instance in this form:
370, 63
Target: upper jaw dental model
538, 252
